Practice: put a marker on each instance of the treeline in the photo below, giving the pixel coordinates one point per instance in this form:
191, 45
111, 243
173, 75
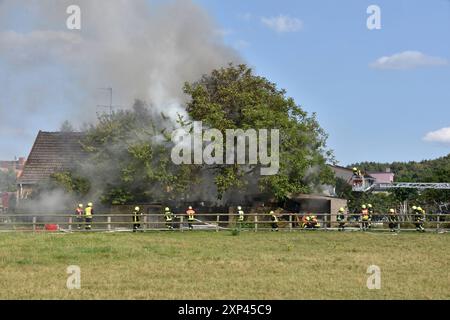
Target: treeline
437, 170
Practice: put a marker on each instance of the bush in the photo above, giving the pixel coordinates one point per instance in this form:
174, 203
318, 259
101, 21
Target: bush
235, 232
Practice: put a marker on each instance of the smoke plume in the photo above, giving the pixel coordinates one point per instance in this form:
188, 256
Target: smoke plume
142, 49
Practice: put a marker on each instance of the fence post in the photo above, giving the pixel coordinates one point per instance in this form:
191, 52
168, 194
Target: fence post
109, 223
181, 223
217, 220
256, 222
70, 223
290, 222
145, 222
34, 224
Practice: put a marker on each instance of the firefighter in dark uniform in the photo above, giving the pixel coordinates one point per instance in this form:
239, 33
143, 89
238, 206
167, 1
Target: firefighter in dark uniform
371, 212
88, 213
274, 219
240, 218
79, 212
136, 219
393, 220
341, 219
419, 218
364, 218
191, 217
168, 216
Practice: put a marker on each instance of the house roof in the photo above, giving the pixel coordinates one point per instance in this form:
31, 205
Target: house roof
52, 152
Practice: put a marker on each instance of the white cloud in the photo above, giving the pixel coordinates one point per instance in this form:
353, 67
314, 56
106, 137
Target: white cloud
441, 135
408, 60
283, 23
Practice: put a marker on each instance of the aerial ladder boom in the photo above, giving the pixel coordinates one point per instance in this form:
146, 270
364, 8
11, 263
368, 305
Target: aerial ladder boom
363, 185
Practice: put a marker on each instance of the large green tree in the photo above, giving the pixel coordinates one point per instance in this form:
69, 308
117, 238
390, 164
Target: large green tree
130, 150
236, 98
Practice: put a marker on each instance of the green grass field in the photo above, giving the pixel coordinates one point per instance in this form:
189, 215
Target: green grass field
209, 265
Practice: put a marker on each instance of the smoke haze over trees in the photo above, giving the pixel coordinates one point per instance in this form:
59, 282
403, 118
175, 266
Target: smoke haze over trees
131, 149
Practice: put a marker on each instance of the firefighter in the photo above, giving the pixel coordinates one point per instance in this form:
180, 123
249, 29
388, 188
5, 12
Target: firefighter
305, 221
356, 172
88, 213
168, 216
190, 213
79, 212
371, 212
392, 220
341, 219
136, 219
240, 218
274, 219
364, 218
314, 222
419, 218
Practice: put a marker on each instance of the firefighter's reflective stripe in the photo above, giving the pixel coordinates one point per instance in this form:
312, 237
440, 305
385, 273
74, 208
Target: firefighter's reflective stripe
168, 217
274, 218
241, 215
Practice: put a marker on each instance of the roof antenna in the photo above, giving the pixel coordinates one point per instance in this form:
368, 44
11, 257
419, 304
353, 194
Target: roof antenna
110, 100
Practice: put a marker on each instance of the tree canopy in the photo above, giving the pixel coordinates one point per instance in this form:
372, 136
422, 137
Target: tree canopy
130, 150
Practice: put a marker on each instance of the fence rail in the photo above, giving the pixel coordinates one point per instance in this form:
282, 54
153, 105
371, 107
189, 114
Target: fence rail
214, 222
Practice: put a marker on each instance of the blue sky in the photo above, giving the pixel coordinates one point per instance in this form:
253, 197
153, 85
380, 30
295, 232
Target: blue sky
370, 114
322, 53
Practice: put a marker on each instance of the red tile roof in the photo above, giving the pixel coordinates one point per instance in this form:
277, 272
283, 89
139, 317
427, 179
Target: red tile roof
52, 152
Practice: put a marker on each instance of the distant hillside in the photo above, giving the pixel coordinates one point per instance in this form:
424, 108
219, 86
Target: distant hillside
437, 170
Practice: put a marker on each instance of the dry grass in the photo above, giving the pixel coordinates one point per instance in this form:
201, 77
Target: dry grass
208, 265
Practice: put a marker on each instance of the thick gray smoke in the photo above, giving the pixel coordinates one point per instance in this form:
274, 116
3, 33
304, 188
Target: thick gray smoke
142, 49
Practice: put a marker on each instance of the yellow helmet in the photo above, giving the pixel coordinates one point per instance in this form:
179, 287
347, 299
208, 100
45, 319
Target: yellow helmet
90, 204
364, 206
190, 207
414, 208
271, 212
369, 205
167, 209
137, 208
341, 209
391, 211
239, 208
419, 208
80, 205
